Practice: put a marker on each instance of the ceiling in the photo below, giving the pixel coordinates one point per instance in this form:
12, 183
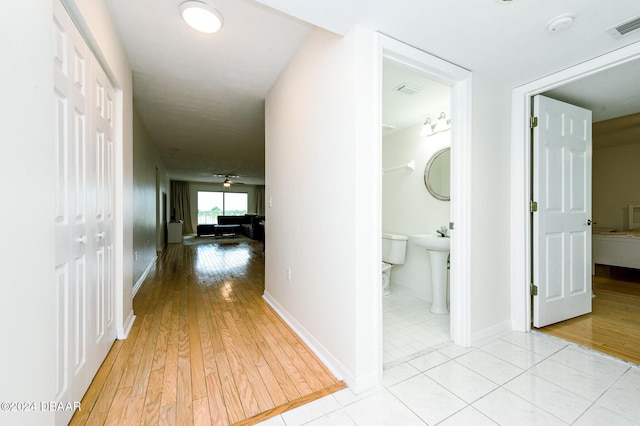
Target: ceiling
426, 98
201, 96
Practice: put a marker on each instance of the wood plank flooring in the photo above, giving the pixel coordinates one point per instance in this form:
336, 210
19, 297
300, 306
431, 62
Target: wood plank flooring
614, 325
205, 348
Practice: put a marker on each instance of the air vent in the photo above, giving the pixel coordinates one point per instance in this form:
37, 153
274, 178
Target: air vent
625, 28
408, 89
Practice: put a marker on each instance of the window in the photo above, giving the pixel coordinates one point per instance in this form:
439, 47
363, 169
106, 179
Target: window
213, 204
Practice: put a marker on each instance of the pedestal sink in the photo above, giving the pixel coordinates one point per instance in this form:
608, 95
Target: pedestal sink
438, 249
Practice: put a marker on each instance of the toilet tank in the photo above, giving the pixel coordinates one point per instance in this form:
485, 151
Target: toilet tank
394, 248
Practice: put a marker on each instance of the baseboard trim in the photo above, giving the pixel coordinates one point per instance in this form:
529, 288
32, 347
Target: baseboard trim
327, 358
143, 277
123, 333
491, 333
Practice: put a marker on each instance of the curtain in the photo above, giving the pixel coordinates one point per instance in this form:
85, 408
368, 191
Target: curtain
259, 200
181, 205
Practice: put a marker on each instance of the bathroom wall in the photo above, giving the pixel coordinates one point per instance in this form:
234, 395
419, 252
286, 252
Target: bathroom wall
615, 184
407, 207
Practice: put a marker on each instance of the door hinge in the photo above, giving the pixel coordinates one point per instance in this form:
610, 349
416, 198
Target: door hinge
533, 122
534, 290
533, 206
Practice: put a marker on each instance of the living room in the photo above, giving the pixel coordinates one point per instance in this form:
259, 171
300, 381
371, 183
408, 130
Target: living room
207, 208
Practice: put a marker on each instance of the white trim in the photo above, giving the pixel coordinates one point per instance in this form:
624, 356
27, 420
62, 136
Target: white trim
123, 333
492, 333
521, 172
461, 212
461, 154
87, 34
143, 277
332, 363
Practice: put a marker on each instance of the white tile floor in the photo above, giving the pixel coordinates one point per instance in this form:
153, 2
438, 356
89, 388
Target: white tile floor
410, 329
520, 379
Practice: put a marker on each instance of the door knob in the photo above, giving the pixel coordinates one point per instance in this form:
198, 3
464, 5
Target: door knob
83, 239
100, 235
589, 222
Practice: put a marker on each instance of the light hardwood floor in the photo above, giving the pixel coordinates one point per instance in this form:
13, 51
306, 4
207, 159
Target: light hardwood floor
614, 325
205, 348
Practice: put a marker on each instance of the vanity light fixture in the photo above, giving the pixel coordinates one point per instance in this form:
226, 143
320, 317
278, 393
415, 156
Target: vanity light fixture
201, 17
427, 128
442, 125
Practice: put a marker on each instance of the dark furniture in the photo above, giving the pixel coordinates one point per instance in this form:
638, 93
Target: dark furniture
227, 229
206, 230
247, 225
254, 230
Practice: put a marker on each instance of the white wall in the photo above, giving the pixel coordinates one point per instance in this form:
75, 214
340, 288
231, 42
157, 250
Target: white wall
408, 208
312, 140
27, 326
615, 184
491, 186
322, 153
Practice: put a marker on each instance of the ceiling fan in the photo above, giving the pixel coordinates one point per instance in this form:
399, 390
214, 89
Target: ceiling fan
227, 179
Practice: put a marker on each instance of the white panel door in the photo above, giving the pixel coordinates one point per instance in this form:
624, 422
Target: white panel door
561, 226
103, 331
83, 214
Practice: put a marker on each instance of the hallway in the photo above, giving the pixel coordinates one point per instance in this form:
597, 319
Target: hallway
205, 348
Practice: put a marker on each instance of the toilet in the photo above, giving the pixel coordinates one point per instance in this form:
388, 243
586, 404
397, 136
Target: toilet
394, 249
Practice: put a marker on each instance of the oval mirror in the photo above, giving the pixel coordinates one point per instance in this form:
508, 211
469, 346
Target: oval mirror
437, 175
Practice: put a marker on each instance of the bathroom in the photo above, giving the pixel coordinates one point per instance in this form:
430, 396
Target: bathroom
410, 329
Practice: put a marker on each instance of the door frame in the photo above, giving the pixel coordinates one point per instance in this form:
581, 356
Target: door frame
459, 79
521, 252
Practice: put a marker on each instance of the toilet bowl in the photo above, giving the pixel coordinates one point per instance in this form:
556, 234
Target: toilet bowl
394, 249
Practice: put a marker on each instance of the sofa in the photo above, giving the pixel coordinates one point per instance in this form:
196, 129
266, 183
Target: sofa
249, 225
254, 230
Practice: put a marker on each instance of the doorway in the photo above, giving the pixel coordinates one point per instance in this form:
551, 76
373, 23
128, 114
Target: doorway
561, 210
521, 171
460, 82
409, 99
610, 326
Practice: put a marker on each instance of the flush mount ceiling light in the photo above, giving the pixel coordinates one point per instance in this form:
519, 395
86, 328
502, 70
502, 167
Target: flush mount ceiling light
227, 183
201, 17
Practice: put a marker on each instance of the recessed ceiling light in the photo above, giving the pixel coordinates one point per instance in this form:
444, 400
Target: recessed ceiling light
201, 17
